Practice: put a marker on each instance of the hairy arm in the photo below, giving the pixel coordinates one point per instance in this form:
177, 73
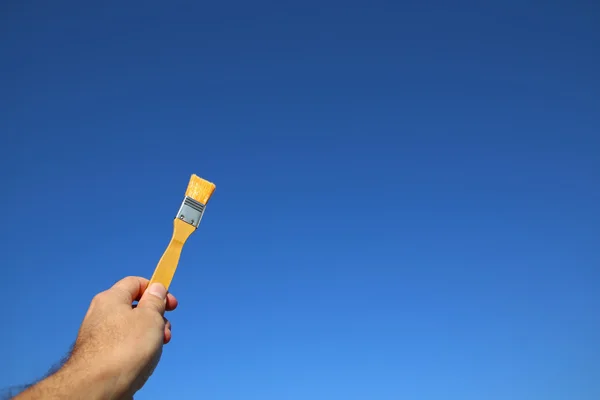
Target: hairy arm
71, 382
117, 348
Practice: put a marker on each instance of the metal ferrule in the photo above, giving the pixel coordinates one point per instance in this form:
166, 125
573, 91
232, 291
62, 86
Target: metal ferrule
191, 211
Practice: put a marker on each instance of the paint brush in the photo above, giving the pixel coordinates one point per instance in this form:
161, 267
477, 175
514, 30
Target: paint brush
186, 222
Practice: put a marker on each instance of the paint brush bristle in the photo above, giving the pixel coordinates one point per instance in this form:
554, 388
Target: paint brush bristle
200, 189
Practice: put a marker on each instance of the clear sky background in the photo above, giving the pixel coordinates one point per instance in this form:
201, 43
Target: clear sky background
407, 201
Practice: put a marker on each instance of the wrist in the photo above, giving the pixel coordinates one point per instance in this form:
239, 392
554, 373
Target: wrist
92, 382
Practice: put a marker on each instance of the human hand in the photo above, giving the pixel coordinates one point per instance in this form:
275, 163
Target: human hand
118, 345
126, 340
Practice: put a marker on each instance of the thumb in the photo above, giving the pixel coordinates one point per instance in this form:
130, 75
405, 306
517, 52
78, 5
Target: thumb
155, 298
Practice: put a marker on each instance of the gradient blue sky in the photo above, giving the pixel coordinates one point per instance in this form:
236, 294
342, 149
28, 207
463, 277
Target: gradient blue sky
406, 205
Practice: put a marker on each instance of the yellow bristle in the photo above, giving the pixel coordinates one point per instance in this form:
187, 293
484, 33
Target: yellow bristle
200, 189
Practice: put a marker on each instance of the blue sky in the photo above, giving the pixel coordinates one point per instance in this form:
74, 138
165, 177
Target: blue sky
406, 205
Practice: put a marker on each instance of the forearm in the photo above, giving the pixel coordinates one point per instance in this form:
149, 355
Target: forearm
71, 383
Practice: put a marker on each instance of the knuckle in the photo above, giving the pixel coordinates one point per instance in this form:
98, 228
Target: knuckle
127, 278
99, 298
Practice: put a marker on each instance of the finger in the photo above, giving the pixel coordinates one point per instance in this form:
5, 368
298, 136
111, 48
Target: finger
167, 334
154, 298
167, 337
130, 288
171, 302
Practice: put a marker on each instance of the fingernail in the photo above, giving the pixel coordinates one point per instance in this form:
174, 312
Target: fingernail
158, 290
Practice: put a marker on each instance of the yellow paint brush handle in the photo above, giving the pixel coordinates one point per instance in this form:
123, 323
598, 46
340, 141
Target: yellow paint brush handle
168, 262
